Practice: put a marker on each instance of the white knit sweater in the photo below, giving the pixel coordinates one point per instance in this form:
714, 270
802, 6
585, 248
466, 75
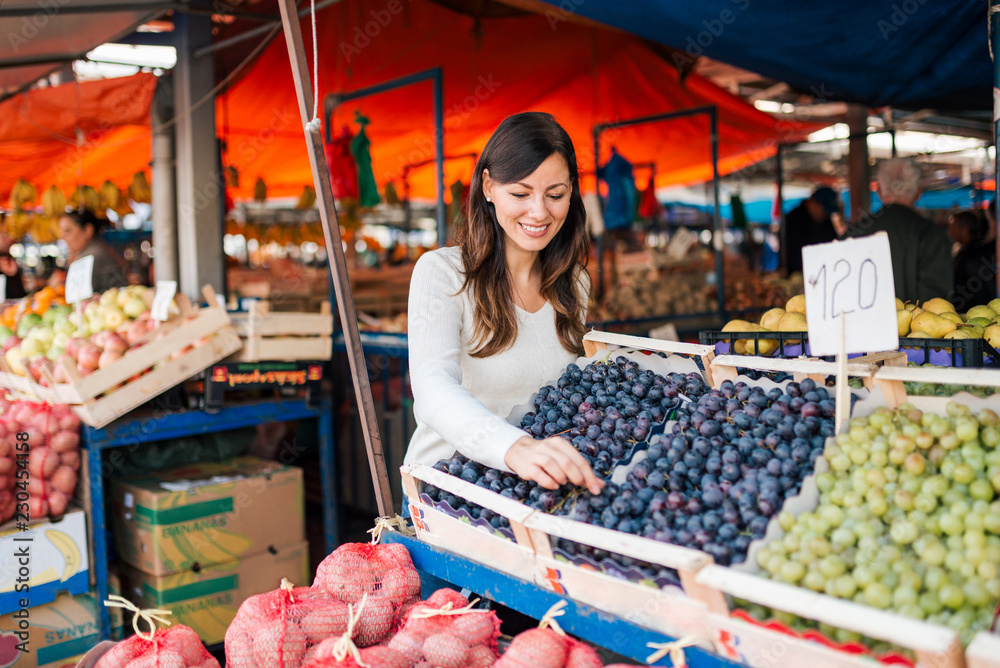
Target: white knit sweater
461, 402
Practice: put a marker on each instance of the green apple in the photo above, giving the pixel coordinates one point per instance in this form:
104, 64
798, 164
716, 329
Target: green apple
133, 307
60, 340
108, 297
90, 310
28, 321
30, 347
5, 333
55, 353
113, 317
65, 326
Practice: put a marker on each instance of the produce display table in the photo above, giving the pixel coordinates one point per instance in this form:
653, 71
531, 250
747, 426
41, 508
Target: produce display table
164, 426
608, 631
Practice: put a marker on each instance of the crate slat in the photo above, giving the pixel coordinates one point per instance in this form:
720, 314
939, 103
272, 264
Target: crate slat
983, 651
284, 348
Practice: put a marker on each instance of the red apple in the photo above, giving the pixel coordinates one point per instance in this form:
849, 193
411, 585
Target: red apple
89, 356
115, 343
10, 343
107, 358
74, 345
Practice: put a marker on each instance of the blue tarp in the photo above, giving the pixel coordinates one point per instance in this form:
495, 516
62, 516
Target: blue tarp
905, 53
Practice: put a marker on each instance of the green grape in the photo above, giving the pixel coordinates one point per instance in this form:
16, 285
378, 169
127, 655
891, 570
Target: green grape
930, 603
981, 490
792, 571
934, 554
878, 595
951, 596
966, 429
925, 503
814, 581
904, 595
951, 525
963, 474
831, 566
844, 586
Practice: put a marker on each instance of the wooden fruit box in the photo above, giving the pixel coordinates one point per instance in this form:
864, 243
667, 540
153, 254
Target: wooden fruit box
761, 646
983, 651
595, 340
284, 336
113, 405
891, 379
168, 339
435, 527
668, 610
725, 366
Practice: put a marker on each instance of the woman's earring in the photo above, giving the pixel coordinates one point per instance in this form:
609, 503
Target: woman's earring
488, 199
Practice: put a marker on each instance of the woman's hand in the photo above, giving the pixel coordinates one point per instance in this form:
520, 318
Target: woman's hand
551, 462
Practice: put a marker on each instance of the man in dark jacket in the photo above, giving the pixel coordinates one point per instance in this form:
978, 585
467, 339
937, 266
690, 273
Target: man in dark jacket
920, 249
810, 223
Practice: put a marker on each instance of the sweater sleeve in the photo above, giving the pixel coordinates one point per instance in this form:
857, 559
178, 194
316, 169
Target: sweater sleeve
435, 322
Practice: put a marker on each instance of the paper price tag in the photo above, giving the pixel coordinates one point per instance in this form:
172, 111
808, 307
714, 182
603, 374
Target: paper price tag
165, 291
852, 278
3, 287
80, 280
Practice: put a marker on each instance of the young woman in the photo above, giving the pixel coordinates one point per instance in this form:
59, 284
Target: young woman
80, 230
501, 314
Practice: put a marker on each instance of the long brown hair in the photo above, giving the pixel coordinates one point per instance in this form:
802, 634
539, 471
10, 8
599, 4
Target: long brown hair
518, 146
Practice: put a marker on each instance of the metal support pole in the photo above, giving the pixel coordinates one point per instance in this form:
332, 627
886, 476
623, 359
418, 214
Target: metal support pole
857, 161
995, 47
779, 180
335, 254
597, 186
164, 183
442, 222
718, 241
435, 75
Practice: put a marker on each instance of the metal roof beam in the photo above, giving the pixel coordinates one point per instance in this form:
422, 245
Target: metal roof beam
15, 12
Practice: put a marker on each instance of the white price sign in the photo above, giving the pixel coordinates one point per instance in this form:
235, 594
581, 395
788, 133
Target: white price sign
3, 287
165, 291
80, 280
852, 278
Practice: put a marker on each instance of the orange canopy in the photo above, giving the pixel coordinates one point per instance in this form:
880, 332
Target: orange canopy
76, 134
493, 68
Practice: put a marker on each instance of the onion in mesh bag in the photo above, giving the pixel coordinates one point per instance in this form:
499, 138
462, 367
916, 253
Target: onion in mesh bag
176, 647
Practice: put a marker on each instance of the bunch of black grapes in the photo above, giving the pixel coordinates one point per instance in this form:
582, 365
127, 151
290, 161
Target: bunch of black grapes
732, 459
605, 409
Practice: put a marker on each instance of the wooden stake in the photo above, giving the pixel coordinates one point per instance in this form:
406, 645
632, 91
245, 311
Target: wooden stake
335, 255
843, 389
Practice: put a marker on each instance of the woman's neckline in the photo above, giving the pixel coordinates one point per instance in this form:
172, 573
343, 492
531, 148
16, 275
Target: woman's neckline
541, 308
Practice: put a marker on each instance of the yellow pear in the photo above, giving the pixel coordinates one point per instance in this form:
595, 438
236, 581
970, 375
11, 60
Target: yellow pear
740, 347
771, 318
980, 312
919, 335
903, 318
934, 325
938, 305
974, 331
797, 304
982, 322
957, 334
995, 305
738, 326
954, 317
899, 304
793, 321
992, 335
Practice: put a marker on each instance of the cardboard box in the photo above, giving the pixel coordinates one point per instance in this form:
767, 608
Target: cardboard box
57, 561
59, 633
207, 514
207, 599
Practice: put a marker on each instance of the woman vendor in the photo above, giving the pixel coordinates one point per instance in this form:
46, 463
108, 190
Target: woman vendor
501, 314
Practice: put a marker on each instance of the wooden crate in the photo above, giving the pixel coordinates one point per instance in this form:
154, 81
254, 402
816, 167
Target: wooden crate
176, 350
983, 651
667, 610
516, 558
725, 366
595, 340
891, 379
765, 647
283, 336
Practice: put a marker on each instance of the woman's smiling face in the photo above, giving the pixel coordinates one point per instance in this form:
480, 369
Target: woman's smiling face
532, 210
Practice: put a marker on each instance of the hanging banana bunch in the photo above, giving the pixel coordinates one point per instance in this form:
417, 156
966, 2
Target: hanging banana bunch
139, 190
123, 208
17, 224
44, 229
53, 202
307, 199
110, 196
22, 195
86, 198
259, 190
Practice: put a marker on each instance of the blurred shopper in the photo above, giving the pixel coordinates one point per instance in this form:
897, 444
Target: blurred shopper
811, 222
81, 232
975, 264
10, 269
921, 256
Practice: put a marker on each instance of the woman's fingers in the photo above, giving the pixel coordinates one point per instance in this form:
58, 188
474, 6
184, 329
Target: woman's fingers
552, 462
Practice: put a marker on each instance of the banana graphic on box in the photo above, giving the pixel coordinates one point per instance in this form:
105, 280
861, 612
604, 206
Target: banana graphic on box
70, 552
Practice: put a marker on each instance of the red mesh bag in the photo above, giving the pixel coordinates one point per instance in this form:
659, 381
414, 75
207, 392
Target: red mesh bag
52, 434
549, 647
176, 647
445, 631
278, 628
383, 573
342, 652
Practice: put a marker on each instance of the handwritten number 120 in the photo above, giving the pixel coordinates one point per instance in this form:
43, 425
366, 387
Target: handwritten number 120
838, 265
